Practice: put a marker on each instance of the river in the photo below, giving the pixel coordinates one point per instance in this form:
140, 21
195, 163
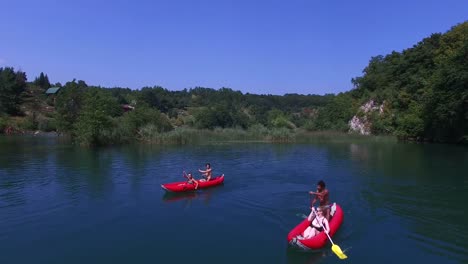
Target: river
402, 202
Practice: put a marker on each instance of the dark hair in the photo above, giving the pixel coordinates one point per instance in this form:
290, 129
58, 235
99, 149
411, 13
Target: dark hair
208, 165
321, 183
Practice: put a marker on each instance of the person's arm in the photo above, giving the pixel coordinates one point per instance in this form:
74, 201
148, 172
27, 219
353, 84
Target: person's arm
320, 194
196, 184
314, 200
203, 173
326, 225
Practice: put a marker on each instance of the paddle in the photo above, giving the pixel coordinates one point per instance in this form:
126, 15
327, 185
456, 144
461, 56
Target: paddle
335, 248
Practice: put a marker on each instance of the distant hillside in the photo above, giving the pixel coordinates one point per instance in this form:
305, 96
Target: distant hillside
24, 107
420, 93
122, 114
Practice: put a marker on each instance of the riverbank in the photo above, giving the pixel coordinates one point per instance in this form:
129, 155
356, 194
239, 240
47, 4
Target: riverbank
261, 134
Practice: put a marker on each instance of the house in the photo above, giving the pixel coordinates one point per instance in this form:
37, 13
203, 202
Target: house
52, 92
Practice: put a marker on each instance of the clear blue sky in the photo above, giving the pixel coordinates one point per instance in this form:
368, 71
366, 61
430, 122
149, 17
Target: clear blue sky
268, 47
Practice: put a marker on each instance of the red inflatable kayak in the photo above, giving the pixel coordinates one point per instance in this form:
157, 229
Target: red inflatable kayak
320, 240
185, 187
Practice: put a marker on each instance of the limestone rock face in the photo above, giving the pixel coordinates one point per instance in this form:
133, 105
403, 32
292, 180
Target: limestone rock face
360, 123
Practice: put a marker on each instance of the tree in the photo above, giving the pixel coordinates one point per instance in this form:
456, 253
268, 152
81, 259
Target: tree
68, 104
42, 81
426, 88
131, 123
94, 124
278, 119
336, 114
12, 84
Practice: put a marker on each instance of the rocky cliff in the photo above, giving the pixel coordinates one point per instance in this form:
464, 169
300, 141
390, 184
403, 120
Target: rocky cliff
360, 123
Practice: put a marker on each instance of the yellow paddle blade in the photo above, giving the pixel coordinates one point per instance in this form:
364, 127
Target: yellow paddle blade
337, 250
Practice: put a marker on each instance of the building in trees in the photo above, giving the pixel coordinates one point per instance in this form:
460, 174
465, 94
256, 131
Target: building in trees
52, 93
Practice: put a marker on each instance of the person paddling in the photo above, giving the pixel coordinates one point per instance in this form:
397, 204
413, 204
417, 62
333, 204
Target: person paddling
322, 195
191, 180
318, 223
206, 173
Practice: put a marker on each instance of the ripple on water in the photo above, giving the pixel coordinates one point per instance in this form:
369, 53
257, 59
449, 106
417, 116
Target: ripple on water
273, 206
427, 217
456, 250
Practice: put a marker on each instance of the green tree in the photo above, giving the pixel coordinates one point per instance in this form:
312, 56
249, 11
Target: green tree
94, 124
132, 122
42, 81
12, 84
425, 87
278, 119
336, 114
448, 107
68, 104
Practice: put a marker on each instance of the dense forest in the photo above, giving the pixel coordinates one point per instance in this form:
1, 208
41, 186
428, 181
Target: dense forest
423, 91
424, 88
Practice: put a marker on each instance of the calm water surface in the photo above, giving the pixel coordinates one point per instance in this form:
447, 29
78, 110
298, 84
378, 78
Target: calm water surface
403, 203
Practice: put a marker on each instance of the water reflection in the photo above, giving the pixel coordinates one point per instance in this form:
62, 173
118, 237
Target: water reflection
81, 170
294, 256
174, 197
187, 198
410, 198
22, 162
422, 186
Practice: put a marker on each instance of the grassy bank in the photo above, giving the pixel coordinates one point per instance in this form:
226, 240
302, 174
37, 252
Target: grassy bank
151, 134
190, 135
254, 134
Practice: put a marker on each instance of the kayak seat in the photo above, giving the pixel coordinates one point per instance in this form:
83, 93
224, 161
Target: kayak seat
332, 210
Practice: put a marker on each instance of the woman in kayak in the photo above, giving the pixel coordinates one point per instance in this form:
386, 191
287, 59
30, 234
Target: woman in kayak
206, 173
191, 180
317, 225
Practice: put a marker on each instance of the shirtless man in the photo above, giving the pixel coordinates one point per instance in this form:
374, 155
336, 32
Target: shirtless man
323, 196
206, 173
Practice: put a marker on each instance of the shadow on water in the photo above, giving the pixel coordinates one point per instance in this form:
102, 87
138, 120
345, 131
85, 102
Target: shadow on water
296, 256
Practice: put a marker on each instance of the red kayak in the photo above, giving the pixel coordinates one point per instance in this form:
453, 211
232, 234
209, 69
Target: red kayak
185, 186
320, 240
